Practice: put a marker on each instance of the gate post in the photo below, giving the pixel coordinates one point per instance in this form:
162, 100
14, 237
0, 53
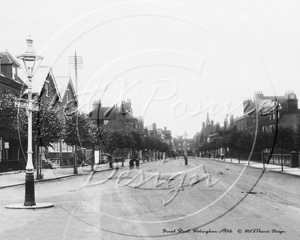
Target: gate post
294, 159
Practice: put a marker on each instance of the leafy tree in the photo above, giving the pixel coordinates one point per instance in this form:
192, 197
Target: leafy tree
240, 142
284, 140
78, 130
139, 139
13, 120
48, 125
261, 141
297, 138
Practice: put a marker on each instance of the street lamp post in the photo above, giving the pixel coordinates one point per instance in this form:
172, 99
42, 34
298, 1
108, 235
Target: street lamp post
30, 62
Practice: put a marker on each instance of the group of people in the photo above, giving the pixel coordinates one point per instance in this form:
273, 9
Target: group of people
134, 159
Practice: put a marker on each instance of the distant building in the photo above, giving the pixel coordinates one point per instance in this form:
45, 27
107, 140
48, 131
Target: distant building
105, 114
167, 136
288, 115
181, 144
210, 132
208, 128
151, 130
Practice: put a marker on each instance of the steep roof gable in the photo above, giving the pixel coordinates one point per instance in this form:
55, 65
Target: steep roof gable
39, 79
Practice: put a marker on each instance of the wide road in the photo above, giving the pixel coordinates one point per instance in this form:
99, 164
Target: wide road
207, 199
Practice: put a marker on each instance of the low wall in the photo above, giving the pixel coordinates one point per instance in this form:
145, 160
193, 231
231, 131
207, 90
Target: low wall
276, 159
67, 157
12, 165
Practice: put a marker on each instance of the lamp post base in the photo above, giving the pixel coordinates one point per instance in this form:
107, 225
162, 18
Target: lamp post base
37, 206
29, 195
29, 189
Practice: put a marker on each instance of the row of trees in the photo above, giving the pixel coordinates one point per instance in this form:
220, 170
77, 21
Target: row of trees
242, 142
116, 135
51, 125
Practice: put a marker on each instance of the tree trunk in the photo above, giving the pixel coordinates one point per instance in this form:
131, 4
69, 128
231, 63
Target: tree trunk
93, 159
281, 160
74, 160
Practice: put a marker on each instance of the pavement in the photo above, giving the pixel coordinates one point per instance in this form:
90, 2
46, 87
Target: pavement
10, 179
268, 167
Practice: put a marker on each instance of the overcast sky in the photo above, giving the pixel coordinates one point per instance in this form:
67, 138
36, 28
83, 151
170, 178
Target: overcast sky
175, 60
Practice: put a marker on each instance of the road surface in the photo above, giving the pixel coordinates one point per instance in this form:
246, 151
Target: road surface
233, 203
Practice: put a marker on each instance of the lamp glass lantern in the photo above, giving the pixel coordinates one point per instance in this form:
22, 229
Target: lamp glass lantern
30, 61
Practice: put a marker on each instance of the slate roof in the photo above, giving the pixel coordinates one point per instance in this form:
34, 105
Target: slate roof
99, 114
62, 83
7, 58
281, 99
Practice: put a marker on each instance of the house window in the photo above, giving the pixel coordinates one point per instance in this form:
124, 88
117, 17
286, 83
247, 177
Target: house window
14, 73
67, 96
273, 128
46, 89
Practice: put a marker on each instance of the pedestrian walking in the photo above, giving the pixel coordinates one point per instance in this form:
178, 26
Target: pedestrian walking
185, 159
137, 160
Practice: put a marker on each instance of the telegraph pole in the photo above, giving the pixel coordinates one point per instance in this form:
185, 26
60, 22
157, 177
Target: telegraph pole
75, 62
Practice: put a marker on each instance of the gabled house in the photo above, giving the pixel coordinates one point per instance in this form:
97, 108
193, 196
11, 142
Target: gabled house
61, 93
58, 90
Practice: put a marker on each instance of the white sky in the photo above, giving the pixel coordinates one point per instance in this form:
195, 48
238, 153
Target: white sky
183, 52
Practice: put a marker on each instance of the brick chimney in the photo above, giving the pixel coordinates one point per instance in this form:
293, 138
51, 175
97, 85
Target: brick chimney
231, 120
154, 130
292, 102
128, 105
96, 104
